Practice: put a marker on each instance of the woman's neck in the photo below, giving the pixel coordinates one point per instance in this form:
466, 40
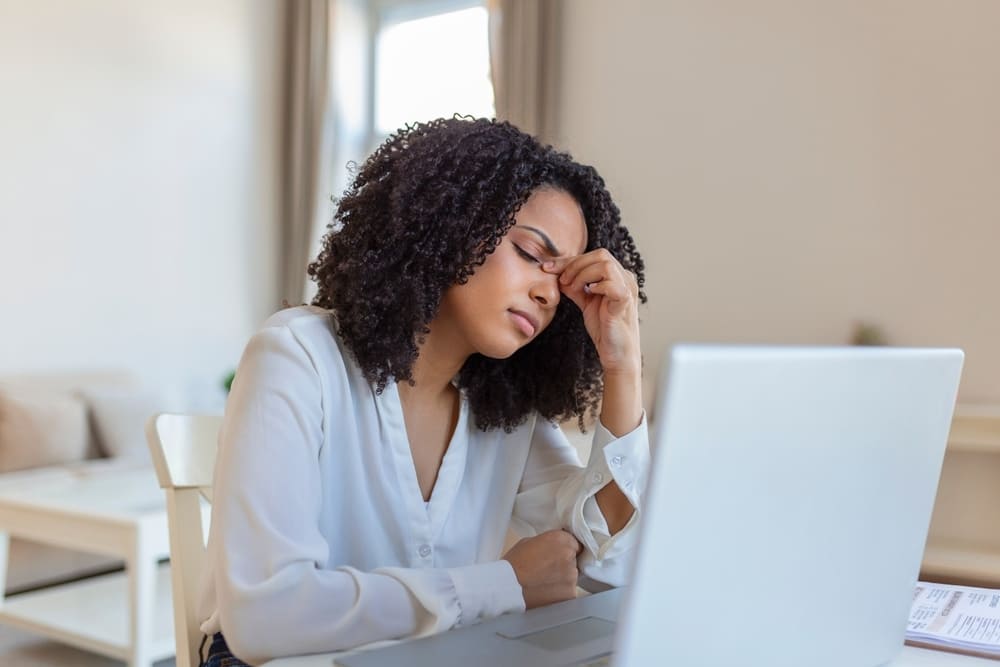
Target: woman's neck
438, 362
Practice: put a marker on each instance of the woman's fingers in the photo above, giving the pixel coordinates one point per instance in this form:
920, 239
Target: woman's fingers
598, 279
590, 269
569, 267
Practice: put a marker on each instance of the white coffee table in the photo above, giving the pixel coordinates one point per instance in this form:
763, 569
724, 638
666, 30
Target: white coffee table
107, 507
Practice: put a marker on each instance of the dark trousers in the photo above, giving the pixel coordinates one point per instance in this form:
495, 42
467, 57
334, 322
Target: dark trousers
219, 654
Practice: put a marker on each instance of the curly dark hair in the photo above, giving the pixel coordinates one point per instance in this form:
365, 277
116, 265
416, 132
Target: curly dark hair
427, 208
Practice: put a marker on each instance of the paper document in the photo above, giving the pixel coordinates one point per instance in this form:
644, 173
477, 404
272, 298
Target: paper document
957, 617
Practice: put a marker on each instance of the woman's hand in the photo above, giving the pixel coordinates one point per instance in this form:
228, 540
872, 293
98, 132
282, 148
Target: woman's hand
608, 296
545, 566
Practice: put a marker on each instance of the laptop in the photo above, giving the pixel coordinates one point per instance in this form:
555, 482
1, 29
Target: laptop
785, 522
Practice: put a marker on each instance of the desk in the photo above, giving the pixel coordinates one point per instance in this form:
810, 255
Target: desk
468, 643
921, 657
910, 657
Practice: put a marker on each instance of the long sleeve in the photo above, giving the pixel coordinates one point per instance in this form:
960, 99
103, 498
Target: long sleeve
557, 492
272, 591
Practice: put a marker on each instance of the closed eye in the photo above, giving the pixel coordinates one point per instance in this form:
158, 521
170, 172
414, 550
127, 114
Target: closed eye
526, 255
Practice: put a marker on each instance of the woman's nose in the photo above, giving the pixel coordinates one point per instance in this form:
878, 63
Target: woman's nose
545, 291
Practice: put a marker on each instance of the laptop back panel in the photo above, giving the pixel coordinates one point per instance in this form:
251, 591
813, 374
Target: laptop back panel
791, 497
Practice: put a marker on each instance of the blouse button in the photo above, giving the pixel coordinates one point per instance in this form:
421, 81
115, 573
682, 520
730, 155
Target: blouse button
424, 550
617, 460
597, 478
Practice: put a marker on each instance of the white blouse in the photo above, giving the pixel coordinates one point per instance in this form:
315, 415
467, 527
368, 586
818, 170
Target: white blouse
320, 537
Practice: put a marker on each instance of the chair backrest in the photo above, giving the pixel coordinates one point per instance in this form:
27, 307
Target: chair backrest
183, 448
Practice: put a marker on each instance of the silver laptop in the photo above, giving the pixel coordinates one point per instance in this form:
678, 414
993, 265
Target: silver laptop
789, 504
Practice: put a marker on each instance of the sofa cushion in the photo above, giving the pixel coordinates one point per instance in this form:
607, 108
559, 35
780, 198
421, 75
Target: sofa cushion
118, 417
40, 429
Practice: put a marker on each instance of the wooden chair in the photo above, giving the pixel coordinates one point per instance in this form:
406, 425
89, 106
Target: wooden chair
183, 448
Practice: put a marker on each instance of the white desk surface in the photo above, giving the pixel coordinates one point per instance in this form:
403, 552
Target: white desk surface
921, 657
910, 657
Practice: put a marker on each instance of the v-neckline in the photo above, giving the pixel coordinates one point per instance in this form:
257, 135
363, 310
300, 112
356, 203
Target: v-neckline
435, 510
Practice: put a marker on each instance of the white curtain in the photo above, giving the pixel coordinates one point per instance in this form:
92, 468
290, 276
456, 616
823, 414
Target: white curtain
303, 112
524, 59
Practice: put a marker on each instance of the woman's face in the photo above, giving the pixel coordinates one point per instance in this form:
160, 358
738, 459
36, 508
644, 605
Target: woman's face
509, 300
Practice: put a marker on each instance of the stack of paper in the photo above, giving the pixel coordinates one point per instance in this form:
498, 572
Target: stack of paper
958, 618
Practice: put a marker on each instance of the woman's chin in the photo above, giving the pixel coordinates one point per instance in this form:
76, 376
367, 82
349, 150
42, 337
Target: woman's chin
499, 355
501, 349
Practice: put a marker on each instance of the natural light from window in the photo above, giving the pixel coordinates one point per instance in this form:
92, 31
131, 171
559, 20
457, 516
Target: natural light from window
433, 67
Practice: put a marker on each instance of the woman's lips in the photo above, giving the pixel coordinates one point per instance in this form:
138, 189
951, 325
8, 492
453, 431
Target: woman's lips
523, 323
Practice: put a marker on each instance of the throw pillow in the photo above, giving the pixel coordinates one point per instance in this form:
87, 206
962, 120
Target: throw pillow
118, 416
40, 429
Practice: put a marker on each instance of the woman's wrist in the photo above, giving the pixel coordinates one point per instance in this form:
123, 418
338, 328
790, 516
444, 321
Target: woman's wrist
621, 406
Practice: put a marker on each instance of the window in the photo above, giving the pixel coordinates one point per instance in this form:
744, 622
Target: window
396, 62
430, 60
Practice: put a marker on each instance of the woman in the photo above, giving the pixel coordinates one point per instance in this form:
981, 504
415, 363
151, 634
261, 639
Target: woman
474, 288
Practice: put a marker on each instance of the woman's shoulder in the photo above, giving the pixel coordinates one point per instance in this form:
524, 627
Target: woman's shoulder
303, 318
311, 329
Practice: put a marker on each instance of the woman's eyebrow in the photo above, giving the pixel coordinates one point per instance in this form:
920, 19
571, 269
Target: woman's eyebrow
549, 245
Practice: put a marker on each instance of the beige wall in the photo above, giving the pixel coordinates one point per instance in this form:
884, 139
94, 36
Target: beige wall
137, 185
789, 167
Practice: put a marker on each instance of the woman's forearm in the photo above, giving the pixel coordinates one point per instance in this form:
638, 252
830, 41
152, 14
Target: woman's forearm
621, 406
621, 413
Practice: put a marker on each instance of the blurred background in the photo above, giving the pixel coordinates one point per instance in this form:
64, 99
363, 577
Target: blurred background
794, 171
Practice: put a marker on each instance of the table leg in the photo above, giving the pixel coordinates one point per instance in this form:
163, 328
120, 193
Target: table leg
141, 566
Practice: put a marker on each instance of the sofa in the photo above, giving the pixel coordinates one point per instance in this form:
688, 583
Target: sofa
53, 421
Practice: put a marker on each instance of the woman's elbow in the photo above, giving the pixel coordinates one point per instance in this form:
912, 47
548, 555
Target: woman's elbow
252, 638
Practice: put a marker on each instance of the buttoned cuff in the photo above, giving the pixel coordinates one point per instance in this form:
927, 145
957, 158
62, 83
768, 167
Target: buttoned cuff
625, 460
486, 590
